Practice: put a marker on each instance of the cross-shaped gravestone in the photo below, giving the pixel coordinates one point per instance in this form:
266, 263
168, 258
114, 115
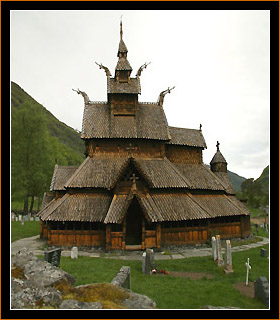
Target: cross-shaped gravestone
130, 149
248, 268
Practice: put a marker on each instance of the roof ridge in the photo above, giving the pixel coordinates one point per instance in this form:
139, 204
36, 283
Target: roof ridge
76, 172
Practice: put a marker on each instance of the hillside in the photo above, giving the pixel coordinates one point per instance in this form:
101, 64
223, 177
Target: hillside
38, 140
236, 180
263, 179
65, 134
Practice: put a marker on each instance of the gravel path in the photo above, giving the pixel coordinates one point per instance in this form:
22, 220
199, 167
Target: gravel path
36, 245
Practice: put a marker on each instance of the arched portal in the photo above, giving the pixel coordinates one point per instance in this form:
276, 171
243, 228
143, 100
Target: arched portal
134, 218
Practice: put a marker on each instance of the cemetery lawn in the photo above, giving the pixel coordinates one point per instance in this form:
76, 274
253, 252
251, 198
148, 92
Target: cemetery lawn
178, 292
29, 229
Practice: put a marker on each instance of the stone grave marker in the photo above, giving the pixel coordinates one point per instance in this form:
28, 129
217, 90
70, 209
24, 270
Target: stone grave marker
143, 262
20, 217
214, 248
149, 262
37, 219
22, 223
263, 252
247, 264
53, 256
31, 219
262, 290
220, 260
228, 258
16, 218
74, 253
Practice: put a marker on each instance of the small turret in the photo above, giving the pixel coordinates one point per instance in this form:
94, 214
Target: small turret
218, 163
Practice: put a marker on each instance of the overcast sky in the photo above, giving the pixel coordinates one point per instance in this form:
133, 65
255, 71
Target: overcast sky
218, 62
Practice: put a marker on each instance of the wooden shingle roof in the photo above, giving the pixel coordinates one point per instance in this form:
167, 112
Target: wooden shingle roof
149, 123
97, 172
200, 177
60, 175
91, 207
118, 208
160, 173
186, 137
220, 205
133, 86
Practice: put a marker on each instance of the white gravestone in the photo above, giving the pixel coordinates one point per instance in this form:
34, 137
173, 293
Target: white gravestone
247, 264
143, 261
74, 253
214, 248
20, 217
220, 260
228, 258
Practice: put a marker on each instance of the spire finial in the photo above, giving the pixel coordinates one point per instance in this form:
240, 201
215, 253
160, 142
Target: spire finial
217, 145
200, 127
121, 31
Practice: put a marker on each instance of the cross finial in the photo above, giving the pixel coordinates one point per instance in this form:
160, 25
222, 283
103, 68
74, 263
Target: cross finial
200, 126
130, 148
121, 31
217, 145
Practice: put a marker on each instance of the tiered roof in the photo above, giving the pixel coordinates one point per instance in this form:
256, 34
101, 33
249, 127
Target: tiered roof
172, 191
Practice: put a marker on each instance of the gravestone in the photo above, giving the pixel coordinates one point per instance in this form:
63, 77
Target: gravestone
143, 262
123, 278
220, 260
22, 223
31, 219
20, 217
53, 256
37, 219
74, 253
16, 218
263, 252
25, 218
228, 258
262, 290
214, 248
149, 262
247, 264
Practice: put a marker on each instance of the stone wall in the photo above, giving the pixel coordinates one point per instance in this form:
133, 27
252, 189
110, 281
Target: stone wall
36, 284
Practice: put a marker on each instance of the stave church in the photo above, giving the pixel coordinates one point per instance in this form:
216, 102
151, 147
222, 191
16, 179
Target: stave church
143, 183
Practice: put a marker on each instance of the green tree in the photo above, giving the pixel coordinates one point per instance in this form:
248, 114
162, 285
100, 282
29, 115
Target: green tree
30, 161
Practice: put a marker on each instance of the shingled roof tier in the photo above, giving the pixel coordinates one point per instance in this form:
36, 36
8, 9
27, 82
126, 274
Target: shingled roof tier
149, 123
186, 137
60, 175
97, 172
102, 172
87, 207
131, 87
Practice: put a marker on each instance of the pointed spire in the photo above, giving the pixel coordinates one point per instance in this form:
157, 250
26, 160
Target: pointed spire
121, 31
218, 162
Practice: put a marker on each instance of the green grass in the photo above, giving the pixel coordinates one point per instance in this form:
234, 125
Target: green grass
175, 292
29, 229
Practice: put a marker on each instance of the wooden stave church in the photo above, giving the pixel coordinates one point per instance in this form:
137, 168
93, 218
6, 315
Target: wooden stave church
143, 183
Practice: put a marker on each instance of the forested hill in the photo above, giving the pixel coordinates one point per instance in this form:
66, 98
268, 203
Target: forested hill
38, 139
65, 134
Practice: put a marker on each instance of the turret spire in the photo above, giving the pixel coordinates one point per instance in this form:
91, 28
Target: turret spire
121, 31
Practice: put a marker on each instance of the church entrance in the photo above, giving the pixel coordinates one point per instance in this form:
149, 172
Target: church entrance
134, 216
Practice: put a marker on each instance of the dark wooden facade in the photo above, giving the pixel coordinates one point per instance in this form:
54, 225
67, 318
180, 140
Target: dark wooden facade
143, 183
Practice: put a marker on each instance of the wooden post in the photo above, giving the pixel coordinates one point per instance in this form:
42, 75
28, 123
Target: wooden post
124, 232
158, 235
108, 237
143, 233
241, 226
